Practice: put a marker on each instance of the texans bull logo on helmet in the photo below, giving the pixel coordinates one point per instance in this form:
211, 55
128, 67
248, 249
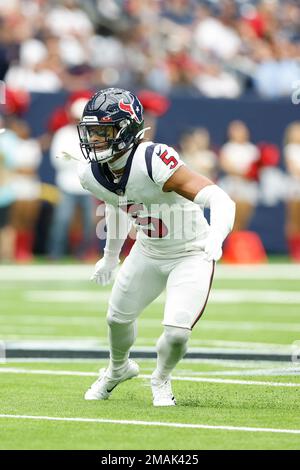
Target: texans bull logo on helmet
128, 108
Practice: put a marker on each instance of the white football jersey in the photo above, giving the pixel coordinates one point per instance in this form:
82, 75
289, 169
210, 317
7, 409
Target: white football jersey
167, 224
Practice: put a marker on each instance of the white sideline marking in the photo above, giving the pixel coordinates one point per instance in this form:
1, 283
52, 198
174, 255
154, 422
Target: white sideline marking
82, 272
250, 373
216, 296
240, 344
154, 423
229, 382
51, 319
12, 370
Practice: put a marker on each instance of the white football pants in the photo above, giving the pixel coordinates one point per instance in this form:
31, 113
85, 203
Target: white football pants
141, 279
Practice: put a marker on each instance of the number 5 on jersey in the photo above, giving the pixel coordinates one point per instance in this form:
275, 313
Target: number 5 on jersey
167, 160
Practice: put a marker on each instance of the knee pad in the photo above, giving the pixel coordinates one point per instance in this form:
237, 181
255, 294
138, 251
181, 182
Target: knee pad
114, 318
177, 336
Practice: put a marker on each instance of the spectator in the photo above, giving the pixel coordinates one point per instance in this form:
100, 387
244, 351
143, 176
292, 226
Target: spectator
214, 82
237, 158
68, 19
8, 142
277, 69
71, 193
292, 161
196, 152
34, 72
4, 60
26, 184
208, 29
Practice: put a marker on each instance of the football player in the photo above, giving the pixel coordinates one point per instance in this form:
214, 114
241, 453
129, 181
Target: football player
176, 249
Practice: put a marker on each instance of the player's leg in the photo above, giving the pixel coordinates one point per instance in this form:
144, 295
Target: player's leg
188, 287
138, 283
171, 347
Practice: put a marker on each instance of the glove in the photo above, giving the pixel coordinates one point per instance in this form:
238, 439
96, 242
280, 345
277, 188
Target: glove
105, 270
211, 245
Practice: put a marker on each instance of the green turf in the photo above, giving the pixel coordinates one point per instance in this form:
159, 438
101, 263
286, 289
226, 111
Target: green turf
224, 325
198, 403
23, 318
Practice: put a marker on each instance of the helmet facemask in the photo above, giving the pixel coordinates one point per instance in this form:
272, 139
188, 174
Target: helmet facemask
101, 142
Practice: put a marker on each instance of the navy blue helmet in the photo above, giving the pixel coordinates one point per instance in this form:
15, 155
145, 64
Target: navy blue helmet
112, 122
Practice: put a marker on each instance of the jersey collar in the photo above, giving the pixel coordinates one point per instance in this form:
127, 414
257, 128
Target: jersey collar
105, 177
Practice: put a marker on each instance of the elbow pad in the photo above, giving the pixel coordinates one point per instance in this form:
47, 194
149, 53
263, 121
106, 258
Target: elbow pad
222, 208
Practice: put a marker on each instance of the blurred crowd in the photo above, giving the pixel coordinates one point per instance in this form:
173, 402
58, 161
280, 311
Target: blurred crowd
249, 171
216, 48
213, 48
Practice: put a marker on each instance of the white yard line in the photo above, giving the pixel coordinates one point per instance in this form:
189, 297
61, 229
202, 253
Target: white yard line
153, 423
216, 296
80, 272
12, 370
250, 373
73, 373
229, 382
238, 344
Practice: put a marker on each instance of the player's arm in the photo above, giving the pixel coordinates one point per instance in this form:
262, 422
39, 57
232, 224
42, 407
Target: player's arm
186, 182
117, 228
205, 193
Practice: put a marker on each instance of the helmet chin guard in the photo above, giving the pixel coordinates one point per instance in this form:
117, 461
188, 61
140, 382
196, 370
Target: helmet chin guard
115, 117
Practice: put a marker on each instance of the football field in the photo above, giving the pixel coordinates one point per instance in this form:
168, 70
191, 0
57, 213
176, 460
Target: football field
234, 403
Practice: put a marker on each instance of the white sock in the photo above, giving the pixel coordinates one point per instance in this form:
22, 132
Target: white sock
171, 347
121, 338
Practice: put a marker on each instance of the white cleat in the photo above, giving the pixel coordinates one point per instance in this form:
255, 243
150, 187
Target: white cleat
104, 385
162, 393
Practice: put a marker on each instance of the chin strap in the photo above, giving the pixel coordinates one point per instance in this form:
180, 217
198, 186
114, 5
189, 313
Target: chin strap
121, 161
140, 134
